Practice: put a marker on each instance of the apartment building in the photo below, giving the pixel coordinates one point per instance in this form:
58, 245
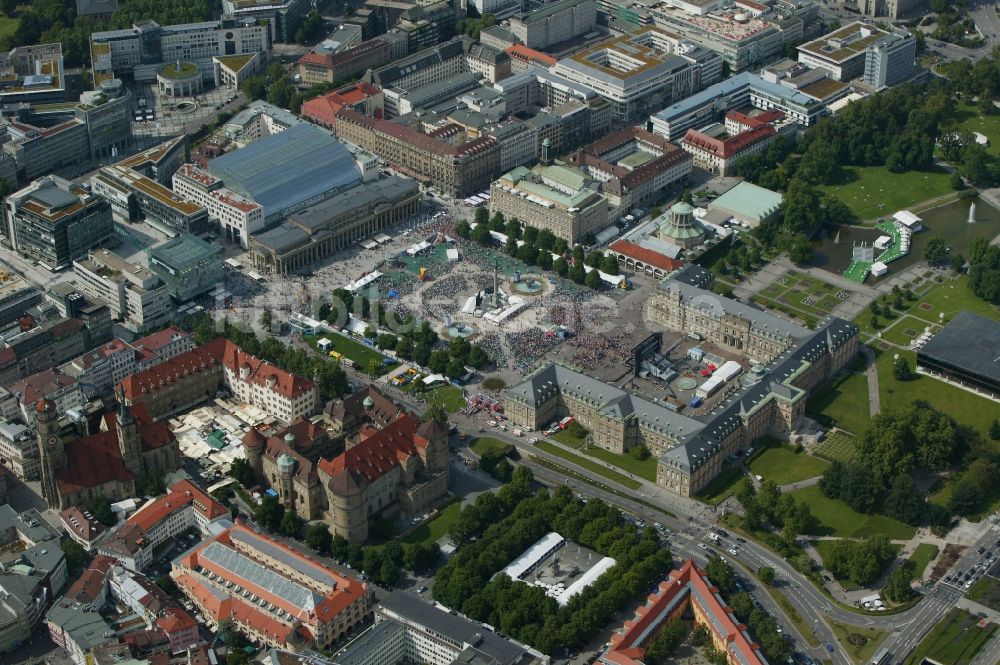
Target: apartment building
29, 348
717, 151
49, 384
237, 215
551, 23
56, 222
19, 450
362, 97
16, 296
136, 296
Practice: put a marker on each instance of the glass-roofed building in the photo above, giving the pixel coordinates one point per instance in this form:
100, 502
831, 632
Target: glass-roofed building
288, 171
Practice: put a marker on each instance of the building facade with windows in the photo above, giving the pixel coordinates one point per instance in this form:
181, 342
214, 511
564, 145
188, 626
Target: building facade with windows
136, 296
553, 22
56, 222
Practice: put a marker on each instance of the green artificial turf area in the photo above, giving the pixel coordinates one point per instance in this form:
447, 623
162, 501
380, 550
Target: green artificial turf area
874, 191
836, 518
955, 640
784, 465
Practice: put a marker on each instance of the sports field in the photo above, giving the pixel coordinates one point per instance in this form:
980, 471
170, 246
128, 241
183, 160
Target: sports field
802, 295
874, 191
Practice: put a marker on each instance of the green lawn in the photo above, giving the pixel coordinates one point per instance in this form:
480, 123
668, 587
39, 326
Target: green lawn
566, 437
802, 295
589, 464
783, 465
360, 353
965, 407
942, 496
923, 555
970, 120
954, 640
825, 549
837, 447
874, 191
433, 530
643, 468
483, 444
8, 25
860, 643
843, 403
836, 518
450, 397
904, 329
722, 486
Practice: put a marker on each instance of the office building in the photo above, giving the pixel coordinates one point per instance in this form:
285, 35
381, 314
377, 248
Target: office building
740, 91
29, 347
408, 629
136, 296
33, 75
717, 151
842, 52
270, 592
55, 222
141, 51
457, 167
964, 352
362, 97
389, 462
291, 170
284, 17
187, 265
16, 296
687, 590
635, 167
891, 9
23, 601
554, 197
236, 215
547, 24
890, 60
499, 8
321, 66
182, 508
642, 71
743, 40
317, 232
424, 25
192, 377
258, 120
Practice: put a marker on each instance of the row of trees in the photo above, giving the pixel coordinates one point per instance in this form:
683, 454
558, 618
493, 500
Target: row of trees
775, 645
984, 270
524, 612
329, 376
537, 248
769, 507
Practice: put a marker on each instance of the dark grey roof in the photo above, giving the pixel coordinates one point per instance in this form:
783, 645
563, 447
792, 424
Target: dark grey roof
54, 197
314, 220
454, 628
380, 639
86, 629
388, 74
264, 545
30, 525
692, 274
970, 342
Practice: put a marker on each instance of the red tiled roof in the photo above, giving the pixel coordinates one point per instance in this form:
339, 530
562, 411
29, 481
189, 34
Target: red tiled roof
379, 453
41, 384
732, 146
199, 359
525, 54
647, 256
627, 646
160, 339
93, 460
759, 120
415, 137
89, 586
75, 521
179, 496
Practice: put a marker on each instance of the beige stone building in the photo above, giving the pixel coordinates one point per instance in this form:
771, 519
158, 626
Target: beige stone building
692, 450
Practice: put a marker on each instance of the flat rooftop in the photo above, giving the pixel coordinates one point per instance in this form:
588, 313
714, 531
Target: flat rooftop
970, 343
843, 44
